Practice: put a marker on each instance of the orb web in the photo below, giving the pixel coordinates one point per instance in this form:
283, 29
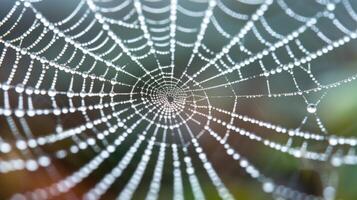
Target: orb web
156, 99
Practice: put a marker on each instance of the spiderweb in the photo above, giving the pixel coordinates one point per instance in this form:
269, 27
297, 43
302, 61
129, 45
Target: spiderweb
157, 99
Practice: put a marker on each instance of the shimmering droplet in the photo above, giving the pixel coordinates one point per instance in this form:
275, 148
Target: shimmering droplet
311, 108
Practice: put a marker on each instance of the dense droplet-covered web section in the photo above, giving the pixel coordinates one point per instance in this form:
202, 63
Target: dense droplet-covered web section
176, 99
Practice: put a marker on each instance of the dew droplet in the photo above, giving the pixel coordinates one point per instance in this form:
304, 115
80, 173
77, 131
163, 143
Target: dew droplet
31, 165
70, 94
19, 113
5, 148
311, 108
268, 187
19, 88
51, 92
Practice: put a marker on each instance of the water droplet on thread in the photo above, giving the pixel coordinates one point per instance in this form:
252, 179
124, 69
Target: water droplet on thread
311, 108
